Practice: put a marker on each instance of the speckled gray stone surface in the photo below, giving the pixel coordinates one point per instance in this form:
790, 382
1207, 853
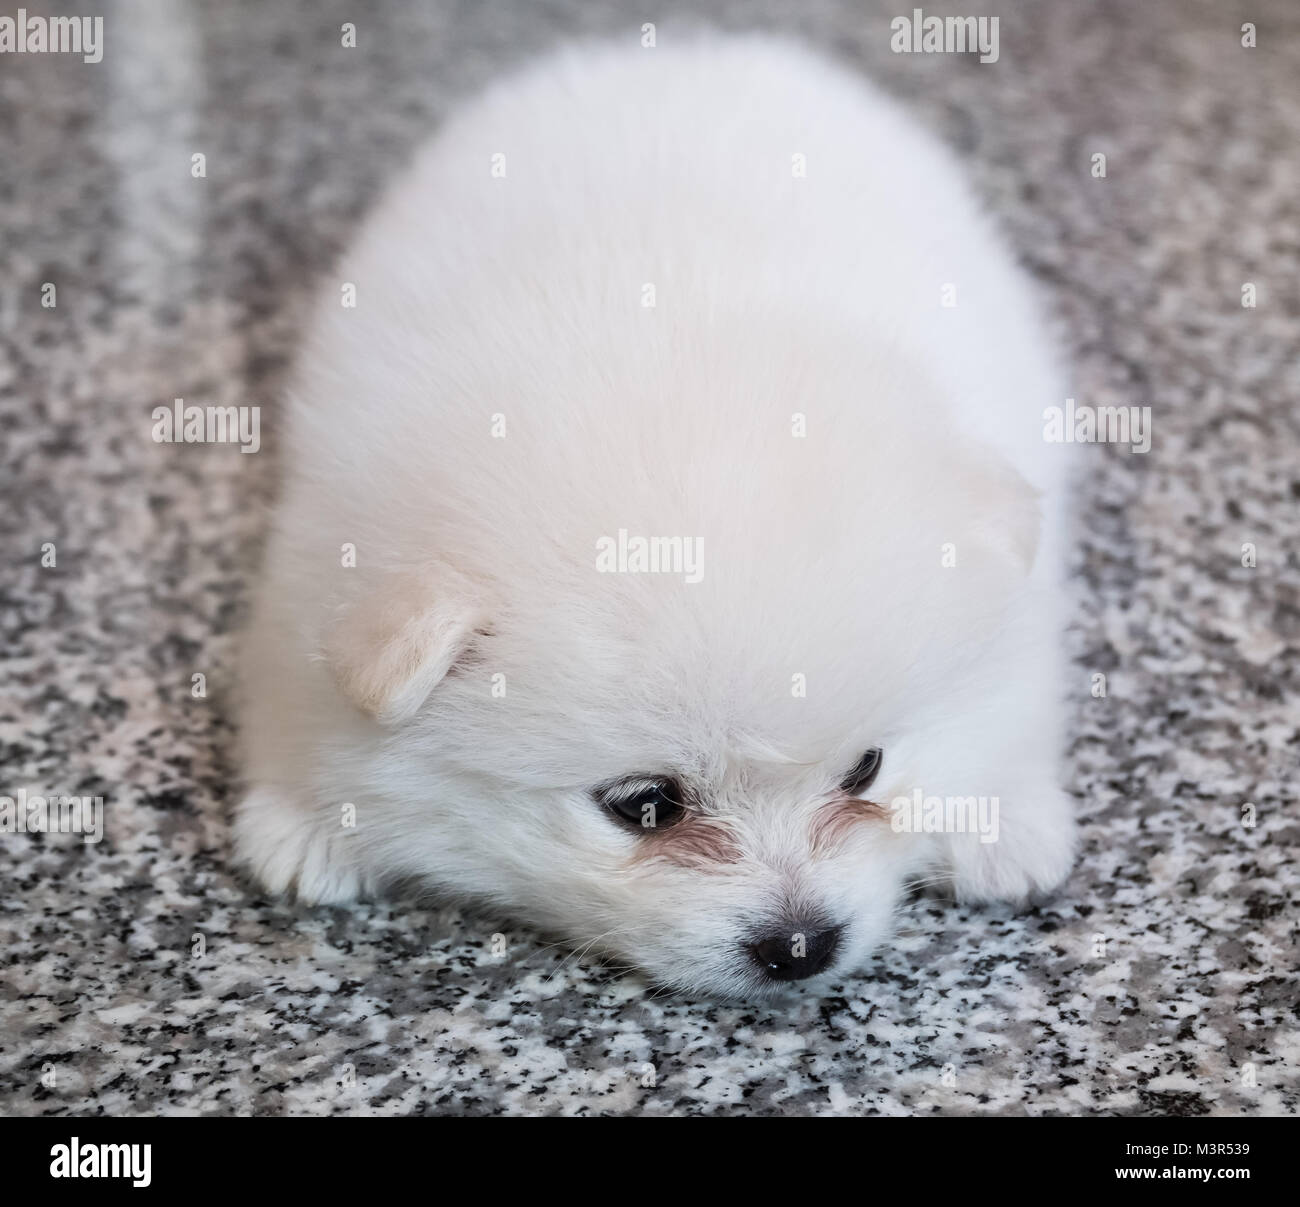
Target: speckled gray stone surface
1163, 979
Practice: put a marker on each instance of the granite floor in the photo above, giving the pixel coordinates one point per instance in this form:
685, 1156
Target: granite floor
142, 976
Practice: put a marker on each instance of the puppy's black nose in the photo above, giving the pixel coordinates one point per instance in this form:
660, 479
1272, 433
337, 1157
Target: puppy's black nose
792, 955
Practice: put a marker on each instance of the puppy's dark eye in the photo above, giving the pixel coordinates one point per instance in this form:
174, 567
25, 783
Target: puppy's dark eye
648, 804
860, 778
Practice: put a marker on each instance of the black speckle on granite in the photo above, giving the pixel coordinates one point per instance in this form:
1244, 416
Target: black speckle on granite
143, 976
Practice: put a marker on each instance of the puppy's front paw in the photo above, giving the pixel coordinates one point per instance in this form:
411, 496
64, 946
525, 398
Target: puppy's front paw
1031, 855
290, 853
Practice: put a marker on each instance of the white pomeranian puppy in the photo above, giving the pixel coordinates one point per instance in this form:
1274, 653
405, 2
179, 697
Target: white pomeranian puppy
669, 550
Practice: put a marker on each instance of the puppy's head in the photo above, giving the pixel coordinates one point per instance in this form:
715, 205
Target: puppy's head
687, 758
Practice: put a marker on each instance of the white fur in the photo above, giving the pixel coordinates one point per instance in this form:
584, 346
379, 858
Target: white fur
482, 296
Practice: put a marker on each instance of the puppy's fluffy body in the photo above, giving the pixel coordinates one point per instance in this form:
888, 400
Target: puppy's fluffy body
797, 398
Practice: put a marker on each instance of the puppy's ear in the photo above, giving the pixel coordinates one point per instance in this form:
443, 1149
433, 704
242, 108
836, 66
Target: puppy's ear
389, 648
